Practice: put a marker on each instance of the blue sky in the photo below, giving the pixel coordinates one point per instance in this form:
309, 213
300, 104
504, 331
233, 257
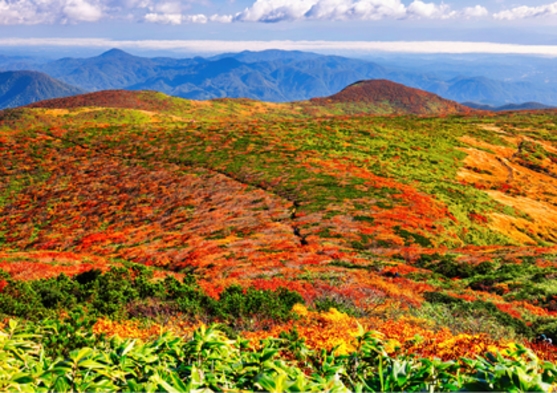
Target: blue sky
218, 25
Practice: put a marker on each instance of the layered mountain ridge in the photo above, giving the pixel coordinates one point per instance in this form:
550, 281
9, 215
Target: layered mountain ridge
274, 76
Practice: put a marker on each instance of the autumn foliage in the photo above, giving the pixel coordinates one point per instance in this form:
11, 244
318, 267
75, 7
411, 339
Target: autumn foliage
408, 226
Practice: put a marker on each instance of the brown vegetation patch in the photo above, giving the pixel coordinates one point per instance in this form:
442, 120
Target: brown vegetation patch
403, 99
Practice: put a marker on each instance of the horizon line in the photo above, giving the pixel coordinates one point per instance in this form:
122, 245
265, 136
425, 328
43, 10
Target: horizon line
219, 46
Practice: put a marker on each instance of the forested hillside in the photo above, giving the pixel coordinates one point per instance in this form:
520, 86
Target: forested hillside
19, 88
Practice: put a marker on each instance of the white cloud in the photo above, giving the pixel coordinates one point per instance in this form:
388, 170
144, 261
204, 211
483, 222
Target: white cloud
174, 12
30, 12
360, 9
82, 11
525, 12
175, 19
221, 18
167, 19
275, 10
13, 12
292, 10
419, 9
337, 47
475, 12
199, 18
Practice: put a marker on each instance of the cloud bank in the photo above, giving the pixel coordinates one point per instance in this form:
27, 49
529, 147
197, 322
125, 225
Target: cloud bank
270, 11
29, 12
348, 47
525, 12
175, 12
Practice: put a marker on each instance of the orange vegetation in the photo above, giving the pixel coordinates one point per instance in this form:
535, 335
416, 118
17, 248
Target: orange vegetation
506, 177
46, 264
333, 329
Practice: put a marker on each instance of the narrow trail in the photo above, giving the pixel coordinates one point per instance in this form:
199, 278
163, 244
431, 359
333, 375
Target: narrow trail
510, 176
190, 164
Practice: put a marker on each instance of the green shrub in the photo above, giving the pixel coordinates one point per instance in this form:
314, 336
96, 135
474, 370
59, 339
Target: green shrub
462, 306
121, 293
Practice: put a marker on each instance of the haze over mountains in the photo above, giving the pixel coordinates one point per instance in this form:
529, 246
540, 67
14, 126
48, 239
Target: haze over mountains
273, 75
508, 107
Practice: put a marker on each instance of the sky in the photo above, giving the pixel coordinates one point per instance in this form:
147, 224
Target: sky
327, 26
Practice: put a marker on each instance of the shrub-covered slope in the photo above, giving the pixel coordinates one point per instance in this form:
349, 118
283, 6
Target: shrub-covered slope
438, 232
365, 97
383, 96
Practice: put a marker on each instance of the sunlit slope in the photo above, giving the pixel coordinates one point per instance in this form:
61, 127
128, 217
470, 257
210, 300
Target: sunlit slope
362, 183
367, 97
164, 106
377, 211
386, 97
517, 167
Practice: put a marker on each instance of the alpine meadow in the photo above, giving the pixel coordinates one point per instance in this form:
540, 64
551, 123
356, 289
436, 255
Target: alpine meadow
379, 239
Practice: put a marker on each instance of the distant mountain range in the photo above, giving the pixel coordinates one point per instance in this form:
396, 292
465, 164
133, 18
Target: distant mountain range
272, 75
508, 107
19, 88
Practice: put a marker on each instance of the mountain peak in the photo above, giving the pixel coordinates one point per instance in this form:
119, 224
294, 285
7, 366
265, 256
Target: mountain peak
115, 52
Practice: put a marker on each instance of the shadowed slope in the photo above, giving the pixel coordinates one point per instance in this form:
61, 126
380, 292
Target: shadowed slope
23, 87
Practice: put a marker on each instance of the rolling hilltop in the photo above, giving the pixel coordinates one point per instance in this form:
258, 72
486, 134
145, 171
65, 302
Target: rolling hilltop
380, 208
392, 98
364, 97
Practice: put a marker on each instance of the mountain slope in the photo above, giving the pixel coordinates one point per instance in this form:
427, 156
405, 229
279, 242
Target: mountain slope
372, 97
382, 96
114, 69
19, 88
449, 219
108, 99
488, 90
276, 76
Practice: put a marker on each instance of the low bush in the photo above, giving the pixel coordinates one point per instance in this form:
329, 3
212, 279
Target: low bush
121, 293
